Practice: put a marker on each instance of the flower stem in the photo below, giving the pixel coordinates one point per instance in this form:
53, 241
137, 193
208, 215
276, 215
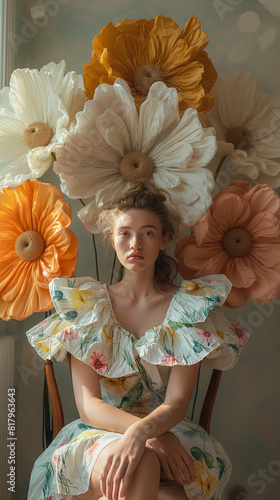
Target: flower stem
95, 249
221, 162
95, 257
120, 275
113, 268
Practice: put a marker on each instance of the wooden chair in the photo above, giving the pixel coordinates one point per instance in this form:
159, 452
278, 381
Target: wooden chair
169, 490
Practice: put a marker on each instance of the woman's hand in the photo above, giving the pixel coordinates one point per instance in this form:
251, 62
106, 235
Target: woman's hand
176, 463
121, 461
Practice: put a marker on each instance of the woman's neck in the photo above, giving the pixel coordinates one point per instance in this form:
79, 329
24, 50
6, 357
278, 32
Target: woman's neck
138, 285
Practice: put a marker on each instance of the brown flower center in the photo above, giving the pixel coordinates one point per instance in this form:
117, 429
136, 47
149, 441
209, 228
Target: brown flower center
145, 76
136, 166
240, 137
30, 245
237, 242
37, 134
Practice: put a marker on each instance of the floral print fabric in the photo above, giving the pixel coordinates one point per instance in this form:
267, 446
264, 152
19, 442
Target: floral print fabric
85, 325
133, 375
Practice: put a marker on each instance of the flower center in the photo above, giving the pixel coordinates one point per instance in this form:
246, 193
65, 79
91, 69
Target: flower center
145, 76
240, 137
237, 242
37, 134
30, 245
136, 166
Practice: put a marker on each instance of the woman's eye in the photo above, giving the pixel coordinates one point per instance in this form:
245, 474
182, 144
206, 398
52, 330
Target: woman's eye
148, 233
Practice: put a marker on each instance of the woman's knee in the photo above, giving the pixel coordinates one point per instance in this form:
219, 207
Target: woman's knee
150, 462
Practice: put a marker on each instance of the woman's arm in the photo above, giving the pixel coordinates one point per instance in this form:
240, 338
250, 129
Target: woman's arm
174, 408
92, 410
175, 462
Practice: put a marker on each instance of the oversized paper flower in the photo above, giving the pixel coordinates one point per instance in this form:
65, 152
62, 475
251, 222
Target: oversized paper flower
69, 87
112, 147
247, 123
36, 246
36, 114
239, 236
143, 52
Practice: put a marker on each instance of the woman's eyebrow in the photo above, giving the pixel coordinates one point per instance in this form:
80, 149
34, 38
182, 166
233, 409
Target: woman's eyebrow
142, 227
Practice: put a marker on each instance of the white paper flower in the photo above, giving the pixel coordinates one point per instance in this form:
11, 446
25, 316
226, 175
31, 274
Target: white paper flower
69, 87
247, 124
111, 147
36, 114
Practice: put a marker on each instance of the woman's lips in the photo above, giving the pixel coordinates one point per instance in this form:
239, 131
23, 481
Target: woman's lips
135, 256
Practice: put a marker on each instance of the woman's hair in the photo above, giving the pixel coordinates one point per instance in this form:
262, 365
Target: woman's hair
146, 197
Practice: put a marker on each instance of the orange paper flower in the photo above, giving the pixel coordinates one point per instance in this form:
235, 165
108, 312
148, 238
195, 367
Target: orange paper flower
238, 236
36, 246
143, 52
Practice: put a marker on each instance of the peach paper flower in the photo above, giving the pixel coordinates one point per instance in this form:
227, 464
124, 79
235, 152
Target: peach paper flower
143, 52
238, 236
36, 247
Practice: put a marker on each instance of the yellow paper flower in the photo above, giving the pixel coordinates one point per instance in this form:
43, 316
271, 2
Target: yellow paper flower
143, 52
36, 246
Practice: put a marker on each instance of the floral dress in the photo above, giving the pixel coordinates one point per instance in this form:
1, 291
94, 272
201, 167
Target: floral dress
133, 375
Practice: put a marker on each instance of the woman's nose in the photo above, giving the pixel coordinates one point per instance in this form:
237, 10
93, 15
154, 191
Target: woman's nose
135, 242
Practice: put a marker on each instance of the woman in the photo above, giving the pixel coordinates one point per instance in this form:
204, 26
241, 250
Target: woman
135, 351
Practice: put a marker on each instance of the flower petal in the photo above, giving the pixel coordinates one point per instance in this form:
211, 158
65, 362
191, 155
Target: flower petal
89, 162
33, 206
107, 124
120, 50
33, 98
240, 274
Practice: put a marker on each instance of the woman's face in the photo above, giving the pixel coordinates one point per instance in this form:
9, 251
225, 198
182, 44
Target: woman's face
137, 238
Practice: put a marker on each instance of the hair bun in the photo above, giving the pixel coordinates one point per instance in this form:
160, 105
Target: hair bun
148, 187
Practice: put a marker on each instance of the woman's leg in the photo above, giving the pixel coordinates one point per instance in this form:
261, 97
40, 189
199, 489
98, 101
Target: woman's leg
146, 477
144, 482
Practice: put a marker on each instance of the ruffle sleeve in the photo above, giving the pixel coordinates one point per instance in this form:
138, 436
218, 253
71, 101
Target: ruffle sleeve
195, 329
84, 326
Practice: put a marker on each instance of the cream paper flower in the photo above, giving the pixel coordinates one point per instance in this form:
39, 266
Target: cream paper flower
36, 114
247, 124
112, 147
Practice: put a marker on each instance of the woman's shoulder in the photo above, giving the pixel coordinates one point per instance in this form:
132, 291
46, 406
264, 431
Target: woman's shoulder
195, 299
206, 286
74, 282
195, 328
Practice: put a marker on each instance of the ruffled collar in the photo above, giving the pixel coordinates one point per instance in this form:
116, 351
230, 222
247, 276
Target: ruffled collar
86, 326
135, 339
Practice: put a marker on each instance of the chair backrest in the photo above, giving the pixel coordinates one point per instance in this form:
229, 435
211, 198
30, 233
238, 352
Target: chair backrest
57, 411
